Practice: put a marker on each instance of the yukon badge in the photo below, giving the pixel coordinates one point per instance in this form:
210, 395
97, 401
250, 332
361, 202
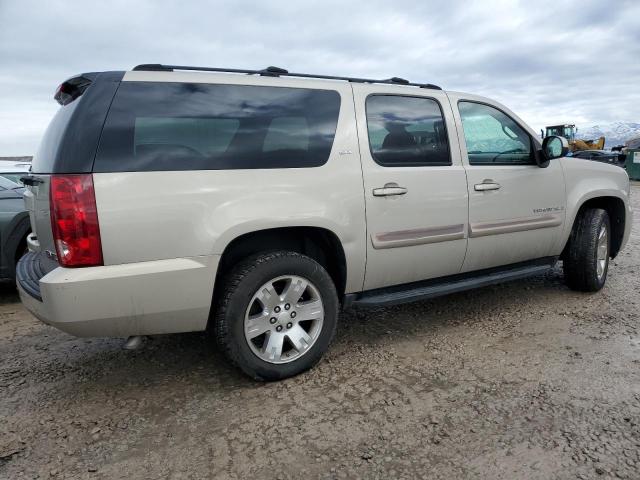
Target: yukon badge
548, 209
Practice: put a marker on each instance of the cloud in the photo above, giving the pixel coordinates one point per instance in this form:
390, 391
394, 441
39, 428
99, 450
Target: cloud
548, 61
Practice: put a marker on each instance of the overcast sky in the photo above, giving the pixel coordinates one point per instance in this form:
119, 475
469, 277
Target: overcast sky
548, 61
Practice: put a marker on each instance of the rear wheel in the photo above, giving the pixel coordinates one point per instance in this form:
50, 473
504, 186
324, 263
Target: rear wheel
277, 314
586, 261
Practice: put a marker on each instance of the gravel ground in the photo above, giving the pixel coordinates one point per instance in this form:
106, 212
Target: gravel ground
522, 380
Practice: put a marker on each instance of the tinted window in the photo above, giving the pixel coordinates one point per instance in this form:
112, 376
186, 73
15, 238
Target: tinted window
492, 137
70, 143
45, 156
208, 136
406, 131
180, 126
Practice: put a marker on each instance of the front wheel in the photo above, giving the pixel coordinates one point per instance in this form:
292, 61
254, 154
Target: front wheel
277, 314
586, 261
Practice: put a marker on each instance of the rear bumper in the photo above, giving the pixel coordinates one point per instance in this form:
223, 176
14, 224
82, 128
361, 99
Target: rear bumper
146, 298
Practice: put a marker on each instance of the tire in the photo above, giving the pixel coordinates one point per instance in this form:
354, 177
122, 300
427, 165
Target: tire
248, 306
585, 270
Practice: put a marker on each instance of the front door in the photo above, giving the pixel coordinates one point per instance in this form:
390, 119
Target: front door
516, 209
414, 182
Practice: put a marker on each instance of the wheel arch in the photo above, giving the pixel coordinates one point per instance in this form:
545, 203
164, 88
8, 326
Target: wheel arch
617, 211
319, 243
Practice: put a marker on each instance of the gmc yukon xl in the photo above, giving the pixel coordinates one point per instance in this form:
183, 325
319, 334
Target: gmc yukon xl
257, 203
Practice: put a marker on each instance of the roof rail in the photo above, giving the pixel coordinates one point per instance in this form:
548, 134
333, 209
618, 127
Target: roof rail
277, 72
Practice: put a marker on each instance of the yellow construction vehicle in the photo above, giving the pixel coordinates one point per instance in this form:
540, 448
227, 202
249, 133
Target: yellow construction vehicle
569, 132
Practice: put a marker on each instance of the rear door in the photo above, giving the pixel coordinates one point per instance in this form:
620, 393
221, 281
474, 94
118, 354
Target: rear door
415, 186
516, 209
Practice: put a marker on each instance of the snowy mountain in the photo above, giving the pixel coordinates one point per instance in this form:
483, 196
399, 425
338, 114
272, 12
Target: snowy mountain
616, 133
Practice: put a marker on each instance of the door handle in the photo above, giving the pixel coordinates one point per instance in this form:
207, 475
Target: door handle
390, 189
486, 185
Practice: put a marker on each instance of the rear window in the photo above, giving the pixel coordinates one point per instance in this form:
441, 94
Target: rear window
181, 126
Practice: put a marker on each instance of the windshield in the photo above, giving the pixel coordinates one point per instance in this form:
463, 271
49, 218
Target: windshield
7, 184
14, 176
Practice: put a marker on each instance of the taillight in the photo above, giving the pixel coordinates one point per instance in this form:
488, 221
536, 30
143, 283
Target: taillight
74, 220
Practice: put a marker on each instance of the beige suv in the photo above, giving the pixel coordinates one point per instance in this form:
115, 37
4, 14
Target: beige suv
258, 203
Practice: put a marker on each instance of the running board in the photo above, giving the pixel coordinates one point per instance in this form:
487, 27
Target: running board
456, 283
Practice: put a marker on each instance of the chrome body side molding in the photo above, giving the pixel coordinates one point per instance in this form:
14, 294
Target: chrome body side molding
418, 236
514, 225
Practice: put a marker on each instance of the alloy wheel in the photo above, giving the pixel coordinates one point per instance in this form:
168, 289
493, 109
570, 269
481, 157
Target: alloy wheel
284, 319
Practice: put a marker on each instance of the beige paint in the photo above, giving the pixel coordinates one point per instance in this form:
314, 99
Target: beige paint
418, 236
163, 232
523, 190
142, 298
586, 179
436, 196
514, 225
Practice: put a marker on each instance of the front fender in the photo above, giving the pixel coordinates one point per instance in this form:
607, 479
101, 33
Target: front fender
587, 180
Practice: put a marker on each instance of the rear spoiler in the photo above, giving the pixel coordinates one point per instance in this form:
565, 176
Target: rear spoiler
73, 87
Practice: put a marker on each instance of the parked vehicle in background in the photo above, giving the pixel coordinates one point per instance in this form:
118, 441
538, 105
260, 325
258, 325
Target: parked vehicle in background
14, 171
615, 158
257, 203
14, 227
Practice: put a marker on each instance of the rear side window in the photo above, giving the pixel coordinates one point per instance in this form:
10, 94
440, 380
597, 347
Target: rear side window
181, 126
406, 131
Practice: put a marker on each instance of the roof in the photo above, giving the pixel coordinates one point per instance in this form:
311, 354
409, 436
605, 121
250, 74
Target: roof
280, 72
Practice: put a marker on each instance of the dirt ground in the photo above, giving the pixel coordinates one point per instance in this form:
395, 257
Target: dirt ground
521, 380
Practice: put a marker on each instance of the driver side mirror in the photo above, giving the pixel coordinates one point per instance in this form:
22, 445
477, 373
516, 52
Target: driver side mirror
554, 147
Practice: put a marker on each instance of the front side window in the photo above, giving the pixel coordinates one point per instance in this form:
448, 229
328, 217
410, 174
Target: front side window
406, 131
492, 137
180, 126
